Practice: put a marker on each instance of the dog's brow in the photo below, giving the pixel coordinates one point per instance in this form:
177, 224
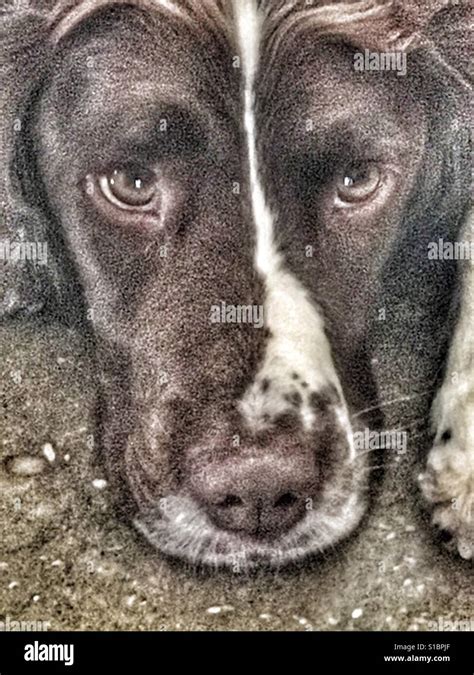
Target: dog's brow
199, 15
362, 22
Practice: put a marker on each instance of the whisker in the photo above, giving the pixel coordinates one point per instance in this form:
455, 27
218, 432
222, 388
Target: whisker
368, 469
432, 388
384, 404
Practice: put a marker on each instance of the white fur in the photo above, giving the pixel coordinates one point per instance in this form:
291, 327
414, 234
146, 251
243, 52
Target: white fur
298, 343
181, 528
448, 482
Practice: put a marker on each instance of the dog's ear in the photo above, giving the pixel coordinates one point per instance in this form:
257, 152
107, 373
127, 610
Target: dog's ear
22, 282
448, 35
441, 27
437, 37
403, 25
27, 280
446, 47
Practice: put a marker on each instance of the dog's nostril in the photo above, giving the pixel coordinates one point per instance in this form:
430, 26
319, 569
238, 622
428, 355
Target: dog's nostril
446, 437
286, 500
445, 536
259, 494
230, 500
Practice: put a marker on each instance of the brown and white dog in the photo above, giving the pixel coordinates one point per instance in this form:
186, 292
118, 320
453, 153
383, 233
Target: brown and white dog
244, 219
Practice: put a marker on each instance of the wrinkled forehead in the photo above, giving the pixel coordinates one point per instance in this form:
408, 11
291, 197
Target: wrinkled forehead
200, 45
144, 60
281, 23
203, 18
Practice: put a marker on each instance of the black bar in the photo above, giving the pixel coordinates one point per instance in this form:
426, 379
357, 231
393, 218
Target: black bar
316, 652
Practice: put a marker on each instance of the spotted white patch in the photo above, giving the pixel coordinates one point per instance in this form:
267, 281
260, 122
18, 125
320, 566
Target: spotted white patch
297, 342
448, 482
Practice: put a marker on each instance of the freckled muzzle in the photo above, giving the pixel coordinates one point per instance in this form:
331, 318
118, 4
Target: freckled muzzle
277, 497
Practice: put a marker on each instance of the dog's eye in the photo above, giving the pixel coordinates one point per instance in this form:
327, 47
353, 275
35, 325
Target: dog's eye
358, 183
129, 188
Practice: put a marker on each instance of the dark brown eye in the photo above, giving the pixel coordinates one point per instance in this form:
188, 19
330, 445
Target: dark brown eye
358, 183
129, 188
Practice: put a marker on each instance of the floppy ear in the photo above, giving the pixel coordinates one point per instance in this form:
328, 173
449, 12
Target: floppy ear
22, 283
447, 40
437, 36
25, 284
448, 36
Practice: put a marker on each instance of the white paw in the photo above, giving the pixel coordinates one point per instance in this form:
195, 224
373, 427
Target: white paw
448, 482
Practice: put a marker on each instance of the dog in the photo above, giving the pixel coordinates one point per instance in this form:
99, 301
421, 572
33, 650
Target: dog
190, 163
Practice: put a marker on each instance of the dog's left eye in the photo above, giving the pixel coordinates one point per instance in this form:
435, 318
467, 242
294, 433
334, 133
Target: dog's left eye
358, 183
131, 188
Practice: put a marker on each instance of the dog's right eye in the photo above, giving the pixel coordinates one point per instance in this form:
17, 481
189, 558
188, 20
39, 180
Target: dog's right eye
130, 188
133, 195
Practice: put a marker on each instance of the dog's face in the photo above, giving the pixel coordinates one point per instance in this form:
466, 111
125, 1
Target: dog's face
247, 234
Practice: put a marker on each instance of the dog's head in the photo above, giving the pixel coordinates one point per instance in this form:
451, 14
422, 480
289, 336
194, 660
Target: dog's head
247, 216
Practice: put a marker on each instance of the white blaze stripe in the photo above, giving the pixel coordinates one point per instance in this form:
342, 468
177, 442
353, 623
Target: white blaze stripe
298, 341
248, 27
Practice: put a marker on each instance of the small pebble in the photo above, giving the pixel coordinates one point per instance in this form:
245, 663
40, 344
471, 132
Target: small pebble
390, 536
36, 598
13, 584
44, 510
407, 582
218, 610
357, 613
48, 452
301, 620
26, 465
99, 483
332, 621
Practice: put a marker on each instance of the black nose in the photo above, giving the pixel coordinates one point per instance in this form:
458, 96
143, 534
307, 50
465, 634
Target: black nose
261, 496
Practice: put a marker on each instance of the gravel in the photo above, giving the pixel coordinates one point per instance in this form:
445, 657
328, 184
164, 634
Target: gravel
66, 559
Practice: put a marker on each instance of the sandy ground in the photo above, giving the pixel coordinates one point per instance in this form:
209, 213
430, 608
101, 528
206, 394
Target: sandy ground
66, 560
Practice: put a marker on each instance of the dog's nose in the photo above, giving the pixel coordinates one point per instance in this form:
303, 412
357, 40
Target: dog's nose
261, 496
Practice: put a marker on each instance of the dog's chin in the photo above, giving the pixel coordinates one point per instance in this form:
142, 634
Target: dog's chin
180, 528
